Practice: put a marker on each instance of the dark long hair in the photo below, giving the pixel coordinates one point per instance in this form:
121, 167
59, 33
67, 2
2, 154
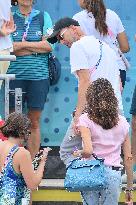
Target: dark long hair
98, 9
102, 104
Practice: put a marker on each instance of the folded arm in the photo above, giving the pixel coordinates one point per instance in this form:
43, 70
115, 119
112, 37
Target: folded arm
32, 47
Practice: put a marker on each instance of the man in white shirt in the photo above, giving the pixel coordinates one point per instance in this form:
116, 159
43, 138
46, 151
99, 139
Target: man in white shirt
90, 59
6, 28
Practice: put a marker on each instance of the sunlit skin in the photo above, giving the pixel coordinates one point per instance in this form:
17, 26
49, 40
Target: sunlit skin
25, 2
25, 6
81, 3
65, 39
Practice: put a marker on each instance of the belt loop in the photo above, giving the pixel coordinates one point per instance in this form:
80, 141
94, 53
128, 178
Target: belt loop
116, 168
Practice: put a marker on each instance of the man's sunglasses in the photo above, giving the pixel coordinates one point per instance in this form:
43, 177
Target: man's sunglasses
61, 35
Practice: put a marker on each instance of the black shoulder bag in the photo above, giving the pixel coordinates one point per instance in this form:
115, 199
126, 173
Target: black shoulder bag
53, 62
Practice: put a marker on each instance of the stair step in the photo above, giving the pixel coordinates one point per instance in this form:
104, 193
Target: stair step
52, 191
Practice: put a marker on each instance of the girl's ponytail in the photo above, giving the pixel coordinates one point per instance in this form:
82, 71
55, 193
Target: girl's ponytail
98, 9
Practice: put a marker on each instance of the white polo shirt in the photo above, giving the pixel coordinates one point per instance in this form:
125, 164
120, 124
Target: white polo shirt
5, 6
85, 53
115, 26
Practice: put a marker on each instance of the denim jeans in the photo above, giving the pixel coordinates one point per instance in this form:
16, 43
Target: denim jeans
108, 196
68, 144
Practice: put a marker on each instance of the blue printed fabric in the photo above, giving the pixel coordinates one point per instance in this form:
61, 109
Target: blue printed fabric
13, 189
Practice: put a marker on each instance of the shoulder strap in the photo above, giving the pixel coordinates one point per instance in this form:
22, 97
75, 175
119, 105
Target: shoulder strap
113, 39
13, 150
41, 18
99, 60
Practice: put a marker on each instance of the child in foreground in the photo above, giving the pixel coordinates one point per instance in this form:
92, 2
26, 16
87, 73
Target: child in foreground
16, 171
104, 132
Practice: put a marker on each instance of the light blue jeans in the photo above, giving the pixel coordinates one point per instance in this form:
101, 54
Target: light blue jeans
108, 196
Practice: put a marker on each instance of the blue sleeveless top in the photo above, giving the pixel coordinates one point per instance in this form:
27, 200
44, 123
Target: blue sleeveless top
13, 189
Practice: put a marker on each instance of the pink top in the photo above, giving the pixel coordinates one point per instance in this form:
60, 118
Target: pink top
107, 143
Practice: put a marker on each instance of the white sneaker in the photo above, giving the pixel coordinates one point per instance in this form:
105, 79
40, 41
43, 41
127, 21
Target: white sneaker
124, 178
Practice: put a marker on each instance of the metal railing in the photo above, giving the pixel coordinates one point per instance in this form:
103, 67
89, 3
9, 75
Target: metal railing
17, 92
7, 57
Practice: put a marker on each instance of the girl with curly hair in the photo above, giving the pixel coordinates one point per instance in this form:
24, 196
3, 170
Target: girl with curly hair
17, 175
103, 132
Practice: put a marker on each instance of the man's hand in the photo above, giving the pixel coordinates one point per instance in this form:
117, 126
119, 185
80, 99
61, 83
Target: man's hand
7, 28
75, 123
78, 153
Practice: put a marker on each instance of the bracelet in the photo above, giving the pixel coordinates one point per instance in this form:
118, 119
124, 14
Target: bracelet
129, 190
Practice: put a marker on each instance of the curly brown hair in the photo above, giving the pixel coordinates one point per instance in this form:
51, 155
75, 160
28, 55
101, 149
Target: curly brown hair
98, 9
102, 104
16, 125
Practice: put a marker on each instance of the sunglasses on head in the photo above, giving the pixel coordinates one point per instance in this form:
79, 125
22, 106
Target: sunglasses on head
61, 35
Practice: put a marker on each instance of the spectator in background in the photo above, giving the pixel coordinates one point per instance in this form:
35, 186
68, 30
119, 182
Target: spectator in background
6, 28
16, 172
31, 65
105, 25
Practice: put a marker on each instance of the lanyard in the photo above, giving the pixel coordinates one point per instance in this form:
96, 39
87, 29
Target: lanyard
27, 25
11, 153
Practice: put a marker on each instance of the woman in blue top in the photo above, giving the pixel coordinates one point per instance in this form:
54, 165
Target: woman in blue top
31, 65
17, 175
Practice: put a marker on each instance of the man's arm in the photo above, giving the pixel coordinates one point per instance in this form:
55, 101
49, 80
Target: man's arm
23, 52
83, 84
34, 47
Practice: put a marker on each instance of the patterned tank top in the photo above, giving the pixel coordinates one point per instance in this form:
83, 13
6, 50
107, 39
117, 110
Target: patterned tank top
13, 189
